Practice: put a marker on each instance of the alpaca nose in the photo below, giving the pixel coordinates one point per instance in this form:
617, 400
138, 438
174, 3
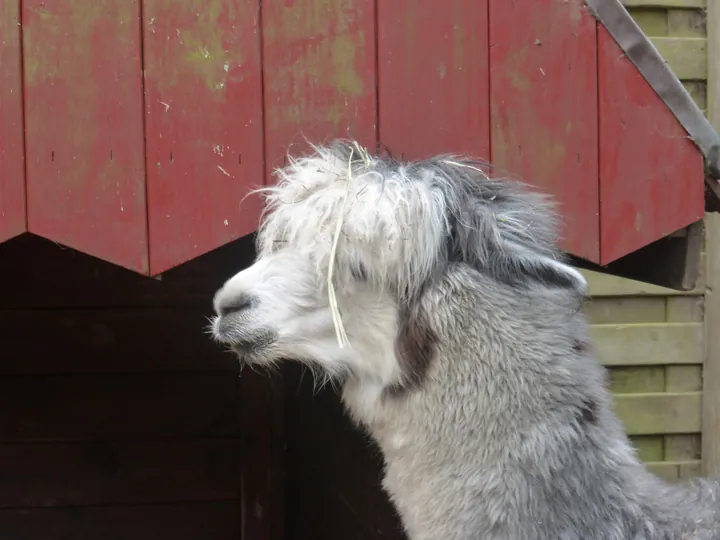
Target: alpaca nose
235, 305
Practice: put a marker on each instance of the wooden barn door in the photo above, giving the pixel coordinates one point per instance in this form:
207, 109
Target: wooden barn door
119, 418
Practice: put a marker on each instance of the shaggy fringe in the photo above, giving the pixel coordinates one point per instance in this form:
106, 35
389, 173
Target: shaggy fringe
408, 221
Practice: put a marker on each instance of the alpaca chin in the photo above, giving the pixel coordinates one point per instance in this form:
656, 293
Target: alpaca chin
469, 360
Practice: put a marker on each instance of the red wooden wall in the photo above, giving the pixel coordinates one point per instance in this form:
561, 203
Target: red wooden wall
149, 172
12, 166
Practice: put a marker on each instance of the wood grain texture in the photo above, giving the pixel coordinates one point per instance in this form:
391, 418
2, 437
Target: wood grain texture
674, 471
659, 413
78, 280
686, 56
649, 447
319, 74
711, 368
433, 84
651, 173
119, 473
121, 341
648, 343
636, 379
12, 144
84, 127
605, 310
713, 57
187, 521
94, 407
608, 285
263, 494
543, 102
204, 125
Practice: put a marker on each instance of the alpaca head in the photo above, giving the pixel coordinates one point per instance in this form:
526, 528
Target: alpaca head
391, 231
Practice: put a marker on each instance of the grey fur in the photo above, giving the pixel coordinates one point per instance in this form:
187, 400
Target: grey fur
470, 362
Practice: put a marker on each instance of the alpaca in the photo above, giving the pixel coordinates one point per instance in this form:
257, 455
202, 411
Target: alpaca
462, 349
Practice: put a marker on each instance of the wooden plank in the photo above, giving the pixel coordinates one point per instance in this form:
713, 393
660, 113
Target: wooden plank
262, 464
648, 344
109, 341
674, 471
698, 91
659, 413
665, 3
203, 125
625, 310
687, 22
349, 499
543, 102
601, 284
713, 58
319, 74
685, 309
653, 22
632, 379
209, 521
686, 56
90, 407
12, 144
649, 447
643, 151
78, 280
433, 87
85, 155
111, 473
683, 378
711, 368
682, 447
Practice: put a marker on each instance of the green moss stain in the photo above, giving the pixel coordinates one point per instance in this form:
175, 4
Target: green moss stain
326, 67
519, 81
78, 52
206, 54
346, 79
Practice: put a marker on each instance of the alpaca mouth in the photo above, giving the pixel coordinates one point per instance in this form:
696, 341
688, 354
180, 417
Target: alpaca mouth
249, 344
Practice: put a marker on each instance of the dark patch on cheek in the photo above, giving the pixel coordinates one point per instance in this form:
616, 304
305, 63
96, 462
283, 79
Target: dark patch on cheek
588, 413
415, 348
581, 347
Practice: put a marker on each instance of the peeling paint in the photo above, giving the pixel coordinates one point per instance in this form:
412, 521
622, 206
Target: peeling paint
203, 33
346, 78
327, 53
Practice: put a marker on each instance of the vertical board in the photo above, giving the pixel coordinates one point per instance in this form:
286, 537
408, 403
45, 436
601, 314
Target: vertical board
543, 102
651, 173
319, 74
84, 138
203, 86
433, 77
12, 152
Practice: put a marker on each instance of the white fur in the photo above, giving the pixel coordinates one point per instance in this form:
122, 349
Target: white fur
469, 359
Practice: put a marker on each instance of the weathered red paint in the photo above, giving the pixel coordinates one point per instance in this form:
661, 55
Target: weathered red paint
319, 73
650, 171
517, 82
83, 107
203, 85
12, 156
433, 80
543, 102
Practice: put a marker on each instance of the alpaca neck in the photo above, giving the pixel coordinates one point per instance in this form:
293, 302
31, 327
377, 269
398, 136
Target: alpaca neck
512, 422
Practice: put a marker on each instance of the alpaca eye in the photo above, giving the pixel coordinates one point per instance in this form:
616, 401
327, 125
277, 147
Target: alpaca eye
357, 271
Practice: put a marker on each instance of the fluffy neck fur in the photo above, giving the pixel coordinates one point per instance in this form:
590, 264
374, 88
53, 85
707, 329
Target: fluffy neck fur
510, 434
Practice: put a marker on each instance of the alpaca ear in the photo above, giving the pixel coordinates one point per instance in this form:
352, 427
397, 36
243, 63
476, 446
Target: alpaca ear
543, 269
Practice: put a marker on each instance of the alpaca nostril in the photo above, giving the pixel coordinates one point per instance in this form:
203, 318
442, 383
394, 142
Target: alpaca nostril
235, 306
